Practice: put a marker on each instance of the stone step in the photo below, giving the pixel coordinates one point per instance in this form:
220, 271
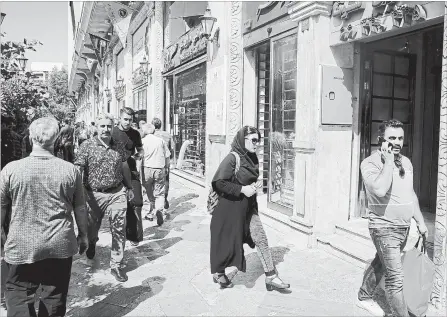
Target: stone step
345, 247
357, 230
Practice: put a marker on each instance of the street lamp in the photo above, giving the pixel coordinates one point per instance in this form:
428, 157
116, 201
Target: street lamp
144, 64
22, 61
3, 16
207, 24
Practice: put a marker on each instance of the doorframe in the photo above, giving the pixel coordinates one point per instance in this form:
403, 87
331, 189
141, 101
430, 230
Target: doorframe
359, 58
365, 52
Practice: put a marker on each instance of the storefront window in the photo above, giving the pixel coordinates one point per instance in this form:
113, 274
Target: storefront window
283, 111
189, 120
140, 104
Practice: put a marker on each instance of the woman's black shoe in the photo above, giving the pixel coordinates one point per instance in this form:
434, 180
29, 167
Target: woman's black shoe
223, 280
271, 284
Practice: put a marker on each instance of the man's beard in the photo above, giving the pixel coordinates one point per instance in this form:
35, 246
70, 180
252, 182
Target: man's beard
106, 138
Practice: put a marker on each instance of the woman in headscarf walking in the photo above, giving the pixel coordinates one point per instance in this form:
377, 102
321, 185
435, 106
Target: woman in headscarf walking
235, 219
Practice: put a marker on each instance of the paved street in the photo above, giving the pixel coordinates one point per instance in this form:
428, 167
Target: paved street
169, 274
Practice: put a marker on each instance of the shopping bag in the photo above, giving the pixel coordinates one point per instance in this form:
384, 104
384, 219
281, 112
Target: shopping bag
134, 223
419, 272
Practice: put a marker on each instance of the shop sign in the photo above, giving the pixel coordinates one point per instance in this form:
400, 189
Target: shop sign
258, 13
189, 46
379, 17
343, 8
139, 77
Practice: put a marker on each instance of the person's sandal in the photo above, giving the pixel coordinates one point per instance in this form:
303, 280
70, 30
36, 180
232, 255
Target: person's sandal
222, 280
270, 285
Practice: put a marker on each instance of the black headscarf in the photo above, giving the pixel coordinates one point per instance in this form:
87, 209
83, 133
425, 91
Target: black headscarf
249, 168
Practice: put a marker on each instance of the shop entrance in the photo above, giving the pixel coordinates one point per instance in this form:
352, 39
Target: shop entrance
187, 96
402, 80
276, 115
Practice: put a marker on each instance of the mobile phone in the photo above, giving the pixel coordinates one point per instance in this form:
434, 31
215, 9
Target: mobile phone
382, 139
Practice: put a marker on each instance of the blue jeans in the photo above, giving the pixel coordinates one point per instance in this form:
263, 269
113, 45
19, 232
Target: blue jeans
389, 243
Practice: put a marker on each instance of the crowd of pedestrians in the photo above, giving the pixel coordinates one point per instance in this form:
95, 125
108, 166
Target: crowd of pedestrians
82, 174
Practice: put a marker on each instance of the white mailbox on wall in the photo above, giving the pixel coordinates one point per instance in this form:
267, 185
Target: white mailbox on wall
336, 92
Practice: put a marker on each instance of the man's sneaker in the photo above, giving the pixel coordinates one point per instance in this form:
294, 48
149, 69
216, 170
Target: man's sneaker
149, 216
159, 217
370, 306
119, 275
90, 253
166, 204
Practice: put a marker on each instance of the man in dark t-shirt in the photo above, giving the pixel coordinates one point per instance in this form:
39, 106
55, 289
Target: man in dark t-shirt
129, 141
66, 141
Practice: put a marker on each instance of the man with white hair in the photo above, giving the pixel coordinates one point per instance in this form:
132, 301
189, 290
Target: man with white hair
101, 161
41, 192
155, 162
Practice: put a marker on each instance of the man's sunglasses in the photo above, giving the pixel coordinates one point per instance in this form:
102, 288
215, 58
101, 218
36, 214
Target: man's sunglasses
254, 140
102, 126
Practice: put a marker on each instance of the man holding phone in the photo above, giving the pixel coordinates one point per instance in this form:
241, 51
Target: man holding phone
392, 202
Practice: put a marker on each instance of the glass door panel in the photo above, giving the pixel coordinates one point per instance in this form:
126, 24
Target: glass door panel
282, 126
189, 112
393, 75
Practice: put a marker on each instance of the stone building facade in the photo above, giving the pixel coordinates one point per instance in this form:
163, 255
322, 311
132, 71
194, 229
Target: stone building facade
316, 77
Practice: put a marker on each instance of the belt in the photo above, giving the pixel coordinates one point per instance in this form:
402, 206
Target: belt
105, 190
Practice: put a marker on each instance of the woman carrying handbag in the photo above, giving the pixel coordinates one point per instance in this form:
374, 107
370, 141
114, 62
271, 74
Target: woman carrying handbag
235, 219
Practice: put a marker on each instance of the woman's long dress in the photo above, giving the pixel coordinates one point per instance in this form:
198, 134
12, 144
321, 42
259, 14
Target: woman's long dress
230, 226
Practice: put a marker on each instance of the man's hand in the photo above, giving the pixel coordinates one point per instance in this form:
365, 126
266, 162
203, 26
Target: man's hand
386, 152
82, 243
423, 229
130, 194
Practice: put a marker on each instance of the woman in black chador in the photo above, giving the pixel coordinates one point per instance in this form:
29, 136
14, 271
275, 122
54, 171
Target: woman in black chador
235, 220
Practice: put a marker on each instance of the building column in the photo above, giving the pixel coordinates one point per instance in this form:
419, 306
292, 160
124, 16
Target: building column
236, 50
438, 297
156, 109
310, 16
217, 84
128, 72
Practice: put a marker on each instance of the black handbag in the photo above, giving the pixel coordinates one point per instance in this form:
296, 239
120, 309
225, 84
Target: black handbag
213, 197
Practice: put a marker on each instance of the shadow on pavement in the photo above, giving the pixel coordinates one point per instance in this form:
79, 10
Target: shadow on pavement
133, 258
255, 269
120, 301
146, 253
181, 199
160, 232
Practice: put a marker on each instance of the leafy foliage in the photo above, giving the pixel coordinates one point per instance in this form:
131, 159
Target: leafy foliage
58, 100
11, 51
20, 91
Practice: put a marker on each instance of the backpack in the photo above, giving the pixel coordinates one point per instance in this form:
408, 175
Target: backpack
213, 197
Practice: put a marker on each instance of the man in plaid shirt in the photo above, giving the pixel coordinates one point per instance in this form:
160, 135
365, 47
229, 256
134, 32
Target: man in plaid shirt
107, 190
